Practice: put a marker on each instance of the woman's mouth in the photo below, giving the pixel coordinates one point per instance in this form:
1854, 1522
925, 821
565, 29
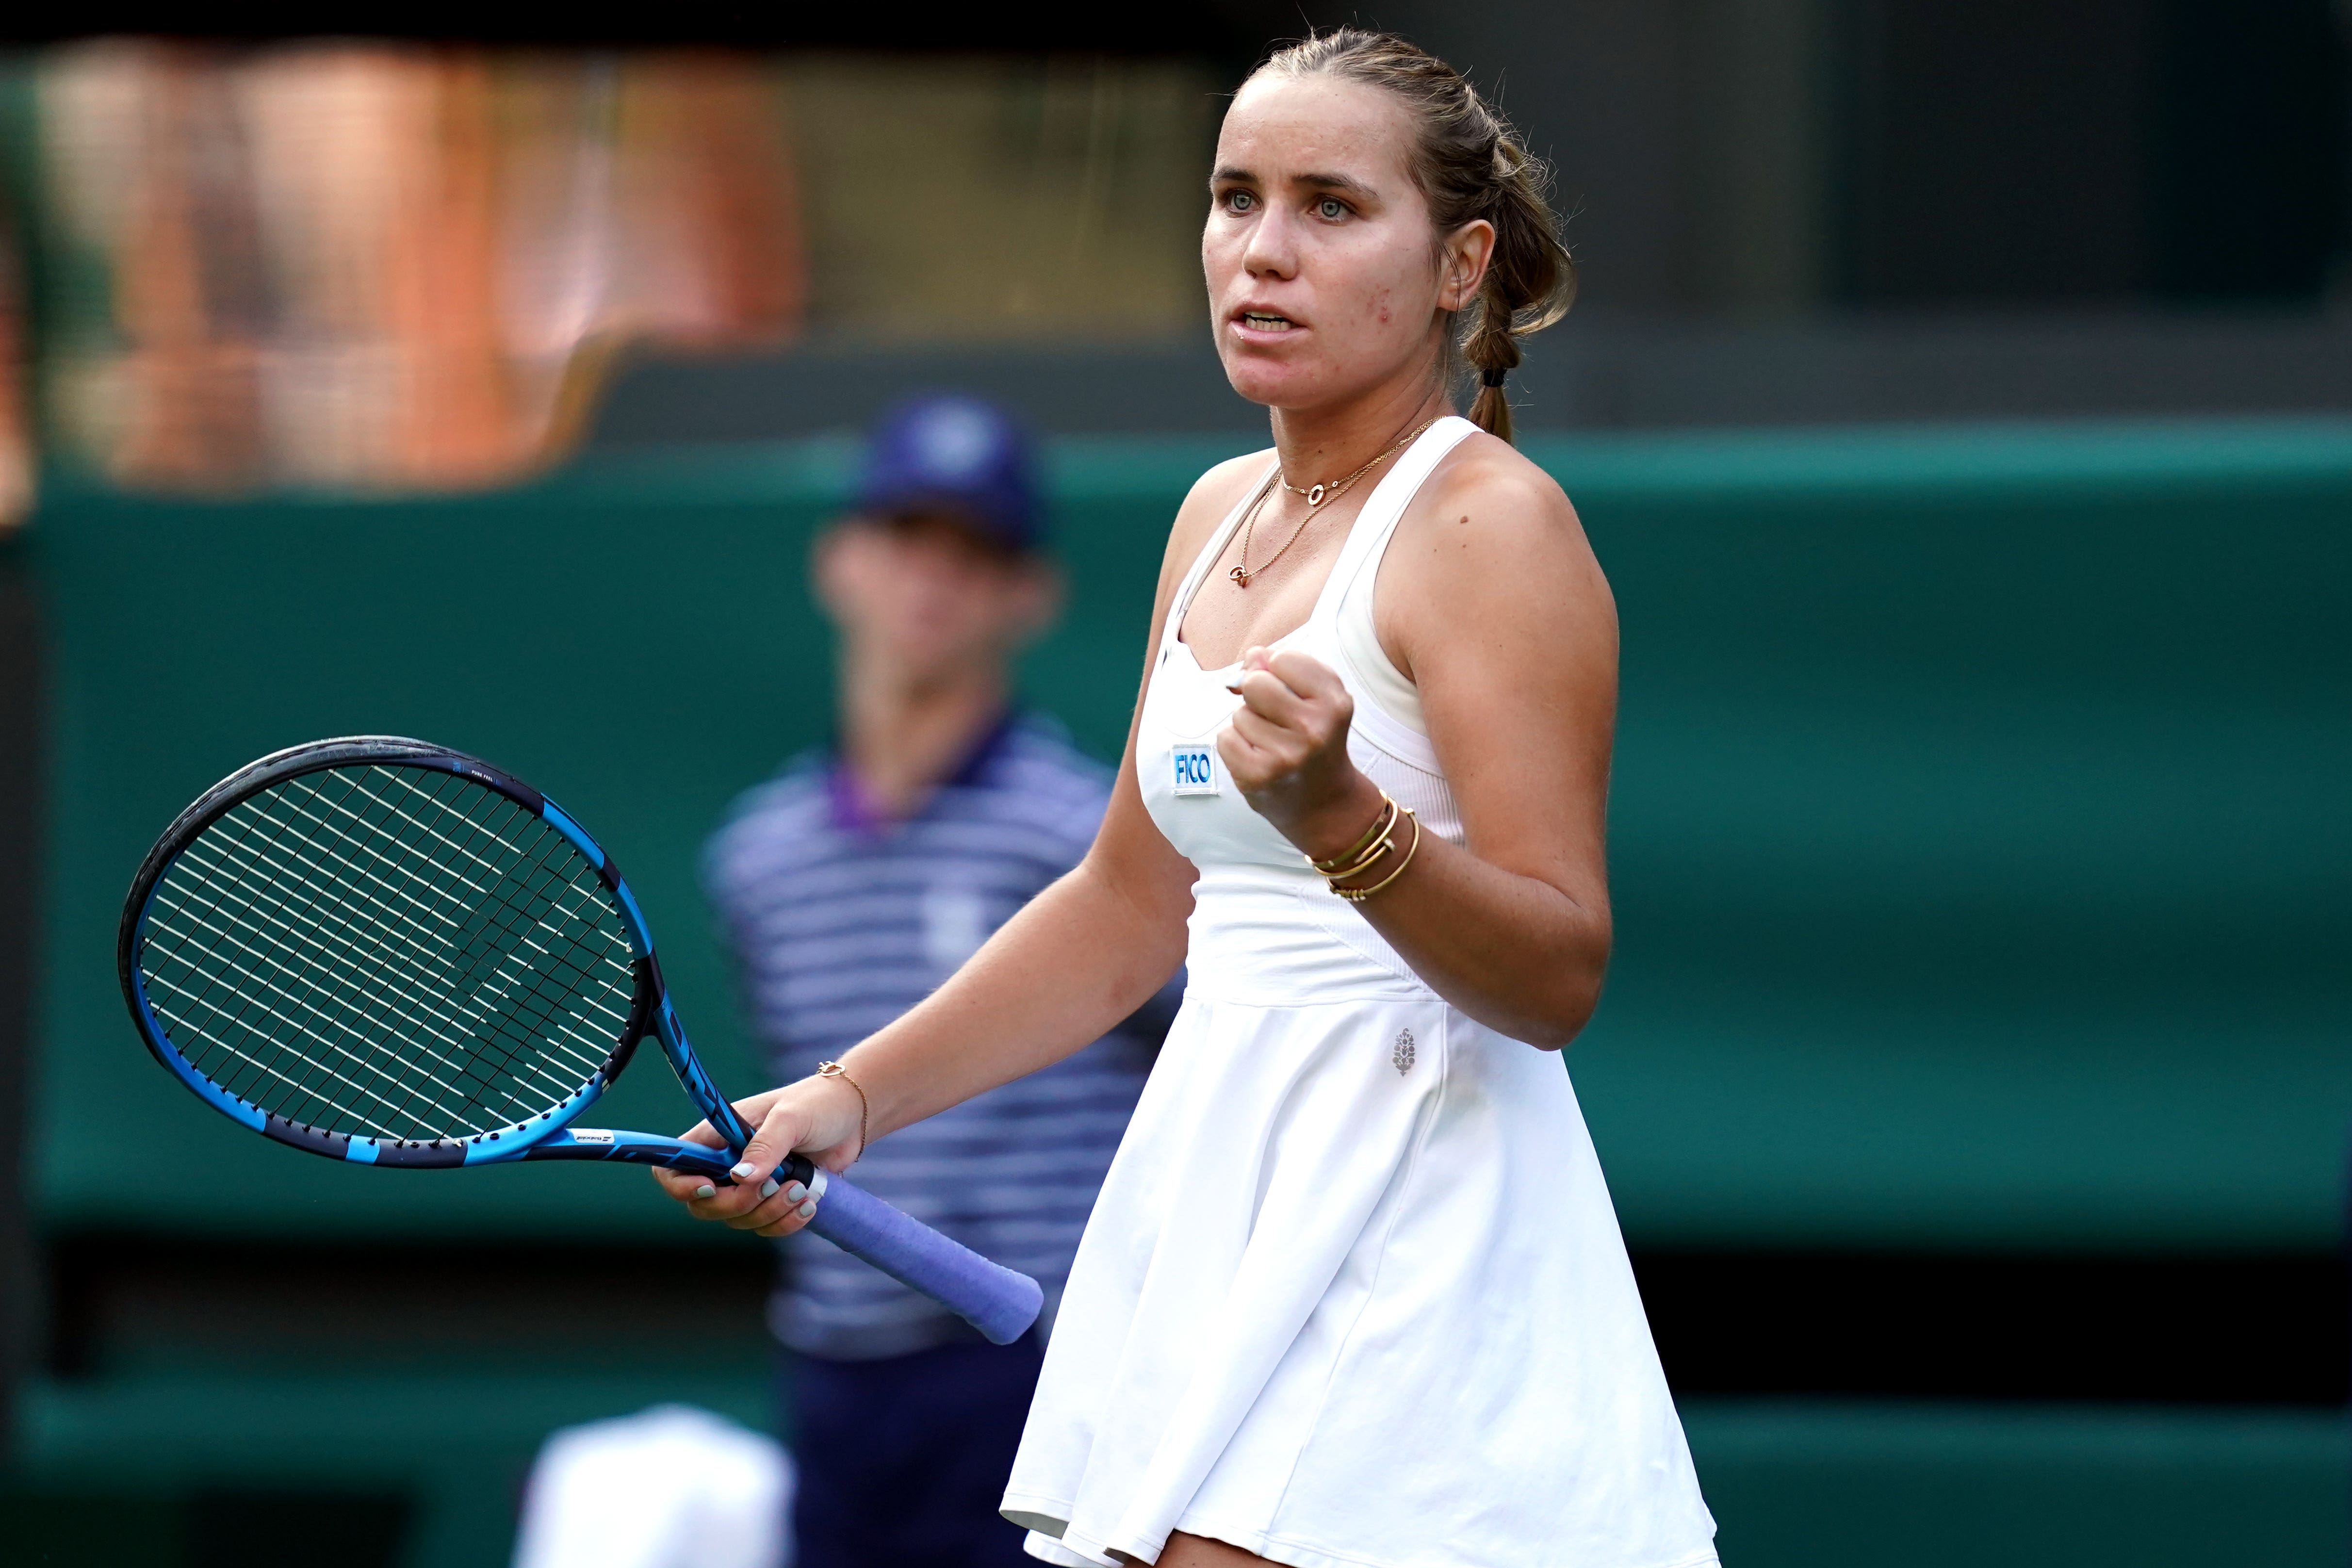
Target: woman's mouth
1266, 321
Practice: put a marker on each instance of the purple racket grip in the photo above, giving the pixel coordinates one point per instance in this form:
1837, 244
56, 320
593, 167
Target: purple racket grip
993, 1299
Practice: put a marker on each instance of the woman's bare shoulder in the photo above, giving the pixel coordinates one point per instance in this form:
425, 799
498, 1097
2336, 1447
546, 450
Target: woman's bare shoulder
1501, 486
1491, 530
1217, 492
1211, 498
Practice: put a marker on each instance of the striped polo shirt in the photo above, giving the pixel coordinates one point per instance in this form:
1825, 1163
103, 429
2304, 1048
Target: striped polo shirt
839, 923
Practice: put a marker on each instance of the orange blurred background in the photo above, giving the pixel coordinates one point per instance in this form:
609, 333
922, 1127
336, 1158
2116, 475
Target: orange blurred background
379, 264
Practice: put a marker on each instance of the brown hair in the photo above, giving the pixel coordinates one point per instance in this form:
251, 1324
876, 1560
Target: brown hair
1469, 164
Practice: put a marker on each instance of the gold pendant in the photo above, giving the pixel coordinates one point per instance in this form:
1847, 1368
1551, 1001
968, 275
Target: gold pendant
1313, 497
1239, 574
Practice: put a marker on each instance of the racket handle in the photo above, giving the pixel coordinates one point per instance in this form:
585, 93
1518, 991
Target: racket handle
993, 1299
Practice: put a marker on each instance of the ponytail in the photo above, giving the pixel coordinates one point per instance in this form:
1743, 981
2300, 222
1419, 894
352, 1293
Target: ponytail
1470, 166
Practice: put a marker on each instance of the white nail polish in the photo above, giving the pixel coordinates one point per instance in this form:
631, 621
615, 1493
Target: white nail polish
808, 1208
768, 1188
706, 1191
744, 1172
795, 1192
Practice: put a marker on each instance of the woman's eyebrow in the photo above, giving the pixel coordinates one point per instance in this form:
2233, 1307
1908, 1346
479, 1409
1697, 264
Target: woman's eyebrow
1232, 175
1347, 184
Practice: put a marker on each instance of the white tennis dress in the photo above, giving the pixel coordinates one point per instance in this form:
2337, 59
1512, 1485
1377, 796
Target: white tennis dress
1353, 1292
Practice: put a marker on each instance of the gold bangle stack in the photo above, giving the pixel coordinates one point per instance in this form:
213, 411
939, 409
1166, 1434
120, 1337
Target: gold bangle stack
1358, 895
1380, 839
1359, 854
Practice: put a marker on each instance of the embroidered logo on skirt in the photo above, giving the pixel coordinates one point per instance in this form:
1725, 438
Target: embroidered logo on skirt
1402, 1056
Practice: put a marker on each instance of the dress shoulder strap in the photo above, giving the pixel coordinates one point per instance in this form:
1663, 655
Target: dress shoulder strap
1368, 539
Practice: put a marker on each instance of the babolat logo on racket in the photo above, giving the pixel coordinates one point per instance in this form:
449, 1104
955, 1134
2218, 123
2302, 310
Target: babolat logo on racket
386, 952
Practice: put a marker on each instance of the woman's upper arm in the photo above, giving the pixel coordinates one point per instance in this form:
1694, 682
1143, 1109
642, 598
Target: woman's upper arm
1131, 846
1491, 600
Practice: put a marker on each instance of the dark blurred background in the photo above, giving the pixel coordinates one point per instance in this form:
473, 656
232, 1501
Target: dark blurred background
1960, 399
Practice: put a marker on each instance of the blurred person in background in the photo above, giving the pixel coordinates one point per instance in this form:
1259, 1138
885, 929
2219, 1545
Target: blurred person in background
849, 886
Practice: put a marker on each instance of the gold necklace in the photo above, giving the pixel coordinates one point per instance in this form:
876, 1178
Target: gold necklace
1241, 572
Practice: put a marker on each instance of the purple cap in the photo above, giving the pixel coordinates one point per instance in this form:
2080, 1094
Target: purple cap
948, 453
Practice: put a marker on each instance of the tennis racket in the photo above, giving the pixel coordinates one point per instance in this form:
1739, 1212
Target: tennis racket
389, 954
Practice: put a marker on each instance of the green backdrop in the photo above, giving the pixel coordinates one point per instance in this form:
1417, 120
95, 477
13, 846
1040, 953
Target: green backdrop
1981, 839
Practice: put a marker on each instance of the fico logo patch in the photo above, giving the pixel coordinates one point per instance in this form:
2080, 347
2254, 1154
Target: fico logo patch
1196, 771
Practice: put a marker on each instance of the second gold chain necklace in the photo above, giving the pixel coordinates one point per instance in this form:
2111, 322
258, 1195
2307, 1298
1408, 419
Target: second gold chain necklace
1318, 498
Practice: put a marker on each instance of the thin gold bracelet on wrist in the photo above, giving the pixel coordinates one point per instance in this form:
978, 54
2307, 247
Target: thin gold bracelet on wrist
1381, 819
1365, 850
1369, 859
835, 1069
1358, 895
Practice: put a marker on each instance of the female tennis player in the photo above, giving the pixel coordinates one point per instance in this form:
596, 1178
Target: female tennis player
1353, 1292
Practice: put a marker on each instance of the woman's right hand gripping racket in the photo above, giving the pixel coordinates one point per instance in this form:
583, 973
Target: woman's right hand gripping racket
390, 953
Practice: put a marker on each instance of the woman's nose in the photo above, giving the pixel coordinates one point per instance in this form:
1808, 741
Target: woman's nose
1271, 250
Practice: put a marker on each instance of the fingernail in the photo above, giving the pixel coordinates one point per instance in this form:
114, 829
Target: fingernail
795, 1192
706, 1191
744, 1172
808, 1208
768, 1188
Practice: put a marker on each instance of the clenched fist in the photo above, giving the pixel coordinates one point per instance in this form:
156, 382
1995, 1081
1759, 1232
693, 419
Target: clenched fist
1285, 749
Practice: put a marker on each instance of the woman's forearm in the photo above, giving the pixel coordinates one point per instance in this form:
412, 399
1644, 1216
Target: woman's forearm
1513, 951
1080, 957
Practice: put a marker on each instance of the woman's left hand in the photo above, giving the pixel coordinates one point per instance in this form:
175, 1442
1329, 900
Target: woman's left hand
1285, 749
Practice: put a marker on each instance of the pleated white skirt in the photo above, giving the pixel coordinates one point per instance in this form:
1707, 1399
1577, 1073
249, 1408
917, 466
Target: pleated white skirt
1354, 1294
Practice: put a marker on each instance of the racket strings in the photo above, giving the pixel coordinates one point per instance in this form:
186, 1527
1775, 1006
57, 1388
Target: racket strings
246, 984
552, 848
313, 946
293, 939
491, 964
390, 953
310, 1067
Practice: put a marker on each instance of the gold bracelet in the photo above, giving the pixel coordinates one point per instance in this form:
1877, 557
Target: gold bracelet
835, 1069
1370, 858
1365, 850
1358, 895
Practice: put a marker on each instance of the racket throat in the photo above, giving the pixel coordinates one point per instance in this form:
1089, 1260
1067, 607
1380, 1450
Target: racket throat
696, 1083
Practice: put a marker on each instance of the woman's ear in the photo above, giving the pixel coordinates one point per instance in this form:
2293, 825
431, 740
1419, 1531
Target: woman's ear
1468, 250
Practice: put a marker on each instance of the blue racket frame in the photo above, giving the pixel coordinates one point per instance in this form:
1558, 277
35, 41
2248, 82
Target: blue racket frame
998, 1301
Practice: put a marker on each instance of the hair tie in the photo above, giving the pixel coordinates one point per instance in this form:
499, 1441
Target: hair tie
1494, 377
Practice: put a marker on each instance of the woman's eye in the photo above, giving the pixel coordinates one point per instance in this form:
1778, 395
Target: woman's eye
1239, 201
1331, 208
